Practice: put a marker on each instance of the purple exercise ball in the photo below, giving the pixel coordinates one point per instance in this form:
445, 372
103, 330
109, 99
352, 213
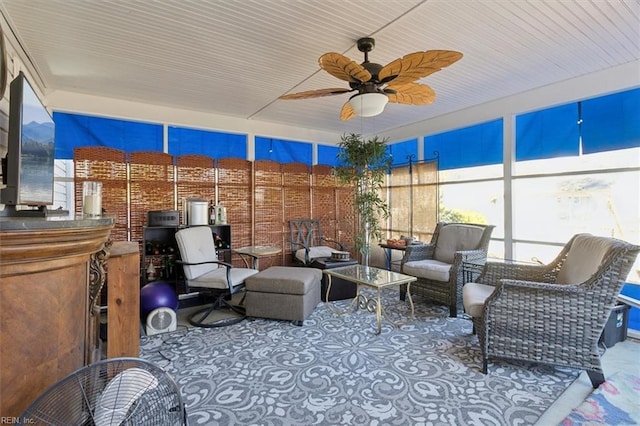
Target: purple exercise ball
157, 294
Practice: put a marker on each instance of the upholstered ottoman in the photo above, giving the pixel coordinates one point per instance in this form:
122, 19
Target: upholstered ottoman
283, 293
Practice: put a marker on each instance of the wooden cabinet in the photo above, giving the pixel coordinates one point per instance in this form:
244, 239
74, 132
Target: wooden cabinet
46, 319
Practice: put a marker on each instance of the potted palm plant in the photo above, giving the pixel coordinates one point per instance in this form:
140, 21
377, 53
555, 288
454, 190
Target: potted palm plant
364, 163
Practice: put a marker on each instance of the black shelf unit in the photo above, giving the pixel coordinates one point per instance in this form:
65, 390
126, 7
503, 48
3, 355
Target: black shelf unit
159, 247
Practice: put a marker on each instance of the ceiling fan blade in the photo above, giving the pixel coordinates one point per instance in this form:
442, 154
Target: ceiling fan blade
411, 94
343, 68
347, 112
417, 65
316, 93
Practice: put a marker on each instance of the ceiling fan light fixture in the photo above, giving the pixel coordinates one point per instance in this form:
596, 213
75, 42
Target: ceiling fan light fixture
368, 104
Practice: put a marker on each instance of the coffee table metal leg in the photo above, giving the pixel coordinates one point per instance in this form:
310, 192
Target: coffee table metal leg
379, 314
353, 302
326, 296
411, 314
360, 301
410, 303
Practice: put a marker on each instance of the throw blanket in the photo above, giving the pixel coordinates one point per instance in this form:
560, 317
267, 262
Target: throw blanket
615, 402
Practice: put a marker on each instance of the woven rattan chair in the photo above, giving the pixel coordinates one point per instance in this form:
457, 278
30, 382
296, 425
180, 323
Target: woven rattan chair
308, 243
551, 314
438, 265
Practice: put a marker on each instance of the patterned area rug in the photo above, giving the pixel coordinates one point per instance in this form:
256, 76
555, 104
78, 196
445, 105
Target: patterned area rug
334, 370
615, 402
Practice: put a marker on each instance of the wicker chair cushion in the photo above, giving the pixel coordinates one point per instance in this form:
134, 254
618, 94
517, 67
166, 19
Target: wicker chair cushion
454, 238
217, 278
473, 296
583, 259
196, 245
428, 268
315, 253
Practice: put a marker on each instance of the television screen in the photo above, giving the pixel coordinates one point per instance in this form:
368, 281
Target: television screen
30, 154
37, 153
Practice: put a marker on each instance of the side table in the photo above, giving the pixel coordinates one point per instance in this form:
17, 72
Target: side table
389, 254
256, 252
340, 289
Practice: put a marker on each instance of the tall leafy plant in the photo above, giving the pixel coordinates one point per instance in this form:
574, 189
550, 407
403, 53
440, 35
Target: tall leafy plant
363, 163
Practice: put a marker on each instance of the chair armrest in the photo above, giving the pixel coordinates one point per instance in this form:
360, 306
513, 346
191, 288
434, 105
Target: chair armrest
227, 270
464, 272
418, 252
527, 297
219, 262
532, 301
469, 256
332, 241
496, 271
297, 245
521, 285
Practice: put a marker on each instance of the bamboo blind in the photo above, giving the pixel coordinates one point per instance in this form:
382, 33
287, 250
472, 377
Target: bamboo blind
399, 202
296, 178
346, 221
109, 166
425, 199
195, 178
323, 187
152, 181
235, 193
260, 197
269, 203
413, 200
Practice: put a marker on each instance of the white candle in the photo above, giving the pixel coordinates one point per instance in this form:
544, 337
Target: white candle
92, 205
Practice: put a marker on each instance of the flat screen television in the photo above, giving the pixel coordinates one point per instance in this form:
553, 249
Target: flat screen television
28, 167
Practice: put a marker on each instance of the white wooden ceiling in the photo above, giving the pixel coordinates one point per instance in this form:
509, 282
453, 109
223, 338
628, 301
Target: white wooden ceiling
237, 57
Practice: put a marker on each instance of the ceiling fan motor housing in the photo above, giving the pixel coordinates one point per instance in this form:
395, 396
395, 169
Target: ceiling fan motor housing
368, 87
366, 44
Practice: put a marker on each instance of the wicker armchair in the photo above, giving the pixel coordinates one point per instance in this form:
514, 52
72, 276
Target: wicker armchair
438, 265
551, 314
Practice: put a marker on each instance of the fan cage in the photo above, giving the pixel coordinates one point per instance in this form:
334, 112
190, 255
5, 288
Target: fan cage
74, 399
161, 320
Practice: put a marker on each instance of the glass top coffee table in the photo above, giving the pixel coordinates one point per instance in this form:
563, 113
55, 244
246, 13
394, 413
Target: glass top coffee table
372, 277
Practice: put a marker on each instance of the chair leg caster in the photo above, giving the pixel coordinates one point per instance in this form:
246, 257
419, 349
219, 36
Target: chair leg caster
485, 366
297, 323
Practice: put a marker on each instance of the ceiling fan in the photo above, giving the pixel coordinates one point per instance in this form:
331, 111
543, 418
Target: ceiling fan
376, 84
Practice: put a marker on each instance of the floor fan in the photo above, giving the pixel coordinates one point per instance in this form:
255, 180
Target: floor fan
117, 391
161, 320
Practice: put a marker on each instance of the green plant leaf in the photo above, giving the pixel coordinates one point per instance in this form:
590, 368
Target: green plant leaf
364, 163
